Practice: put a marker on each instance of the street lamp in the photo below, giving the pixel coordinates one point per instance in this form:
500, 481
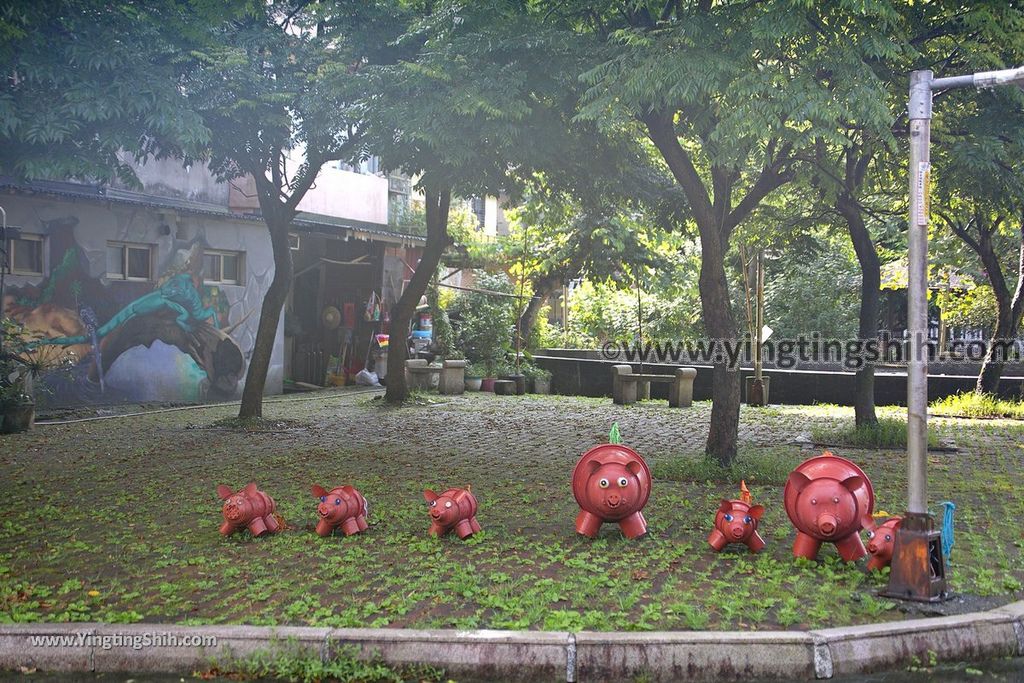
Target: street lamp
918, 569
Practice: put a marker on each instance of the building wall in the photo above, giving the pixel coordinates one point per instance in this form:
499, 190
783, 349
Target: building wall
337, 193
173, 338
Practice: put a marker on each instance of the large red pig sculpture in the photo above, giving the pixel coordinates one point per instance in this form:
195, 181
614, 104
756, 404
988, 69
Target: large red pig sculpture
453, 509
342, 507
611, 483
829, 500
736, 522
880, 542
248, 508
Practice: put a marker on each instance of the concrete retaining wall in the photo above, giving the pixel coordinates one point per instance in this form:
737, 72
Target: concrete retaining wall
580, 376
533, 655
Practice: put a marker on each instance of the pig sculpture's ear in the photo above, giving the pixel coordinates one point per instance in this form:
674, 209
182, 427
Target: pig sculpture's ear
318, 491
634, 468
853, 483
799, 481
593, 466
223, 492
250, 488
756, 511
867, 522
725, 505
430, 496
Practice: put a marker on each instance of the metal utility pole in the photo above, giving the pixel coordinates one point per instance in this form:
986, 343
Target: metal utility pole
918, 569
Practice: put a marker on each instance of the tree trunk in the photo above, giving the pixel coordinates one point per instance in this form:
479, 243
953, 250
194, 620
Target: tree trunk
870, 300
270, 316
716, 307
438, 199
992, 367
542, 289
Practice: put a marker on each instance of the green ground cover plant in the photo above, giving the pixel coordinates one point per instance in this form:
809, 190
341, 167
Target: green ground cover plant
117, 520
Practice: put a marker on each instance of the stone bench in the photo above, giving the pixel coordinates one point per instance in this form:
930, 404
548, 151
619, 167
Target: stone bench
628, 386
453, 377
421, 375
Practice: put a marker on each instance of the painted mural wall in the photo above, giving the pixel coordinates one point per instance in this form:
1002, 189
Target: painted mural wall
175, 336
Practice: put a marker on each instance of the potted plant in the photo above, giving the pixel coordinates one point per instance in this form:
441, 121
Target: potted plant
539, 378
474, 376
22, 361
482, 322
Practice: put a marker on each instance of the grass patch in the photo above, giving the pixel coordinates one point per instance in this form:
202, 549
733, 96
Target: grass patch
888, 432
971, 404
288, 661
763, 466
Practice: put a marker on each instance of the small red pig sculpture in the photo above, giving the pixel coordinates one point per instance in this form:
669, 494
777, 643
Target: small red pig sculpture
880, 541
611, 483
736, 522
250, 509
828, 498
342, 507
453, 509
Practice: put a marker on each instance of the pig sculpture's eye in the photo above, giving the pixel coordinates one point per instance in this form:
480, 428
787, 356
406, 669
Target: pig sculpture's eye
433, 503
727, 517
623, 481
814, 501
603, 483
747, 519
888, 537
323, 499
871, 534
337, 501
448, 504
835, 500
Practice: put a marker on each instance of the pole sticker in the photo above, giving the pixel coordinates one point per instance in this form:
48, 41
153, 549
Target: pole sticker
924, 185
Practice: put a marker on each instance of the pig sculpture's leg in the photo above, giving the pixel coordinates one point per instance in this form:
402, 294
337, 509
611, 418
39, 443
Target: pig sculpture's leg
805, 546
257, 527
633, 526
755, 542
717, 540
587, 524
227, 529
271, 522
475, 524
464, 529
876, 563
324, 528
350, 526
851, 548
361, 521
436, 529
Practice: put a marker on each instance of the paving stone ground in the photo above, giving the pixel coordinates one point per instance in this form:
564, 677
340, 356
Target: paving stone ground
116, 520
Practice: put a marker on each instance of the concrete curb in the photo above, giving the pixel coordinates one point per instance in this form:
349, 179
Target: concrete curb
532, 655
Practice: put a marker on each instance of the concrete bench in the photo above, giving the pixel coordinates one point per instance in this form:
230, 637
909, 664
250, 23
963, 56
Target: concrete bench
628, 386
421, 375
453, 377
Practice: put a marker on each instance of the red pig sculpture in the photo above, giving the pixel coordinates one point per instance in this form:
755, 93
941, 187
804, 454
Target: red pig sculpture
736, 522
611, 483
829, 499
248, 508
880, 542
453, 509
342, 507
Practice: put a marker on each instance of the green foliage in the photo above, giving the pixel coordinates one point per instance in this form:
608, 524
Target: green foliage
75, 103
813, 287
887, 432
483, 322
976, 405
288, 661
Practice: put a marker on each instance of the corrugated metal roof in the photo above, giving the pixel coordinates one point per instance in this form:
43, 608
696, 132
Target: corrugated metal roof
303, 222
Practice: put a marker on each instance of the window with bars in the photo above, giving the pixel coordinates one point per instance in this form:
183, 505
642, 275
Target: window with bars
129, 261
